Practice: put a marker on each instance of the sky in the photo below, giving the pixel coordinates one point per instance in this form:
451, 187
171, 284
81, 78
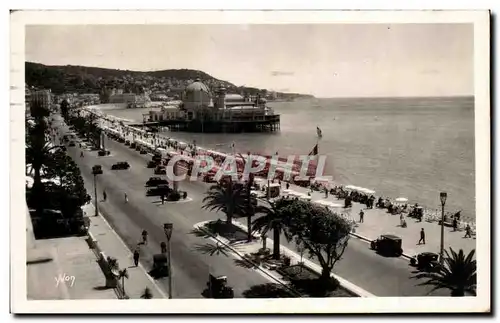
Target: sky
325, 60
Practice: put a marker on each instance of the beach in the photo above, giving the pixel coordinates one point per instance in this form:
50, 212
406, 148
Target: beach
399, 147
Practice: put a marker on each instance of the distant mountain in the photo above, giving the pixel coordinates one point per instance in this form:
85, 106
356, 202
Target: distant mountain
82, 79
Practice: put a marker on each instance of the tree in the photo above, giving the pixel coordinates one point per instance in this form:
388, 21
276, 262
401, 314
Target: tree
147, 294
323, 233
122, 274
274, 219
38, 156
66, 171
228, 198
458, 274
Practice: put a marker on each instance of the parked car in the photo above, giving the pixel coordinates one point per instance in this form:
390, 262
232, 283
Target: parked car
160, 265
426, 261
127, 142
120, 165
388, 244
97, 169
72, 144
152, 164
143, 152
155, 181
159, 190
217, 287
103, 153
133, 145
160, 170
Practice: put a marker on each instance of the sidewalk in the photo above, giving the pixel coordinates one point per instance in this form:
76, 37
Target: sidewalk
113, 246
378, 222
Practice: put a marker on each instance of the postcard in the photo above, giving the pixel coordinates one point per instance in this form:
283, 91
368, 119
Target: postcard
250, 162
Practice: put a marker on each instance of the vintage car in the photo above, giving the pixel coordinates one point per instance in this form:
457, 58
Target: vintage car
151, 164
137, 148
426, 261
72, 144
103, 153
156, 158
133, 145
155, 181
160, 265
97, 169
159, 190
160, 170
143, 151
127, 142
388, 244
120, 165
217, 287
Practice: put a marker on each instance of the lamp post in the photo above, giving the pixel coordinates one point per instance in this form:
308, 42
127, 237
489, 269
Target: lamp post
168, 228
96, 170
443, 197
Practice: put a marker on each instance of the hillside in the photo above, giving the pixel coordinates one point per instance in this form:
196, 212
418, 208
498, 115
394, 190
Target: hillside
82, 79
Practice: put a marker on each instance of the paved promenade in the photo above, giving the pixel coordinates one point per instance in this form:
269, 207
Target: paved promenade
378, 221
112, 245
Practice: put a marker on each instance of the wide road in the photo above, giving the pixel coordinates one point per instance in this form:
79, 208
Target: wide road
190, 267
360, 265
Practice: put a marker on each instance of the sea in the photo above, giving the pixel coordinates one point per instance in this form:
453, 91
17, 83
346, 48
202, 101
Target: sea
399, 147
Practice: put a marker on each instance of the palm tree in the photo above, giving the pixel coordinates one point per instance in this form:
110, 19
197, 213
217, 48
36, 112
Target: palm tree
458, 274
228, 198
147, 294
273, 219
123, 274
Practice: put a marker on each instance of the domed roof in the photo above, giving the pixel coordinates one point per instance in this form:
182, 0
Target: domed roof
197, 86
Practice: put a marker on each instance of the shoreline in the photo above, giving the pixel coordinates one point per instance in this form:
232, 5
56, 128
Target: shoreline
433, 213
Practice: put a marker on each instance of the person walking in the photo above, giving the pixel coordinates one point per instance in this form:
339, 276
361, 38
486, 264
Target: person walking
163, 199
455, 224
136, 257
361, 216
145, 237
126, 197
422, 237
81, 154
104, 196
163, 247
468, 232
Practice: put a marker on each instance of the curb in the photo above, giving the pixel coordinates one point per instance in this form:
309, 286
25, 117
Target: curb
404, 255
200, 226
350, 287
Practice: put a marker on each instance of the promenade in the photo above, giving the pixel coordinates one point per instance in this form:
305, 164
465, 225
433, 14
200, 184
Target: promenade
385, 277
112, 245
63, 268
379, 221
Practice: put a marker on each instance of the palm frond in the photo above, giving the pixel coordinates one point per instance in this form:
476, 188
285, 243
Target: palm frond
213, 249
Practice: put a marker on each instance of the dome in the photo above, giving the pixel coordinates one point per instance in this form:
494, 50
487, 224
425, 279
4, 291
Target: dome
197, 86
196, 95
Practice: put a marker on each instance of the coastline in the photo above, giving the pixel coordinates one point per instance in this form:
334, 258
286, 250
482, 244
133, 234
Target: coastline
430, 214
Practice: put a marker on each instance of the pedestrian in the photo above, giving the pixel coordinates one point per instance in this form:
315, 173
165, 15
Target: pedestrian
136, 257
163, 247
422, 237
361, 216
455, 224
468, 231
162, 199
287, 185
104, 195
326, 192
81, 154
126, 197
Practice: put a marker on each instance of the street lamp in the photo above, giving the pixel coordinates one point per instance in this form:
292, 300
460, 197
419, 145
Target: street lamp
168, 228
443, 197
96, 170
